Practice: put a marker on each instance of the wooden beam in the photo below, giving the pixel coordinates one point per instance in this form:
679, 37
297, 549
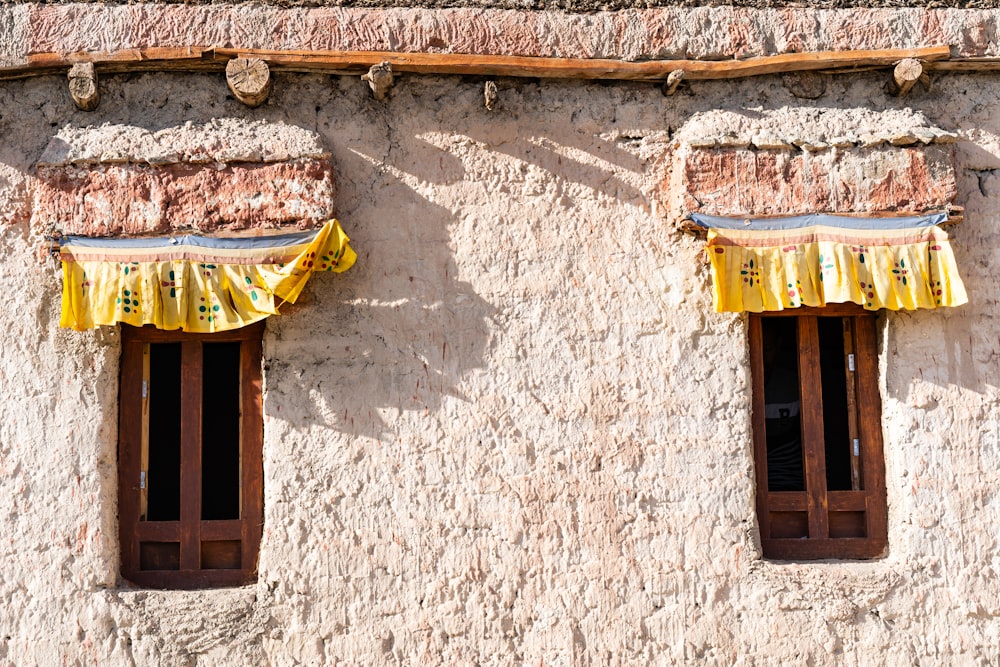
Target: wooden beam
964, 65
906, 73
673, 80
249, 79
127, 56
187, 58
356, 62
578, 68
379, 78
83, 86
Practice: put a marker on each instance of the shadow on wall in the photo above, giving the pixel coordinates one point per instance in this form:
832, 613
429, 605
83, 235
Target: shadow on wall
400, 332
566, 161
396, 332
956, 346
533, 143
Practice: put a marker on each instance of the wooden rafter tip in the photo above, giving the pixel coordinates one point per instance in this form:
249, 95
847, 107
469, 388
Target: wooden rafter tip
673, 80
490, 95
379, 78
83, 86
905, 74
249, 79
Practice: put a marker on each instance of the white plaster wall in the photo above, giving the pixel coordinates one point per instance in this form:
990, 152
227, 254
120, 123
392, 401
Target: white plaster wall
515, 432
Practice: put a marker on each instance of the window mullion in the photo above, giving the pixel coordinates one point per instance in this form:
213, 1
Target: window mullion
854, 437
191, 400
130, 426
813, 440
759, 427
251, 451
870, 428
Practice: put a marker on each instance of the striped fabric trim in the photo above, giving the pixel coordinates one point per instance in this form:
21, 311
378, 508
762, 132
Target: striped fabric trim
275, 249
860, 223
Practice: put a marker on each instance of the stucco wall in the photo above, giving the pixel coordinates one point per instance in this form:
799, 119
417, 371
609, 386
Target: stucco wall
515, 432
714, 33
582, 6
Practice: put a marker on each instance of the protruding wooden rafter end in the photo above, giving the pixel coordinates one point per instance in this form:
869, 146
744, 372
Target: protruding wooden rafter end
83, 86
905, 74
673, 81
380, 79
249, 79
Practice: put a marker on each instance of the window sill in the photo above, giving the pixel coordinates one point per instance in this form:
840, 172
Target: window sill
827, 572
189, 580
234, 596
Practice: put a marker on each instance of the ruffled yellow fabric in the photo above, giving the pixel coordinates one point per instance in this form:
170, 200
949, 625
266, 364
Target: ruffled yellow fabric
193, 288
757, 271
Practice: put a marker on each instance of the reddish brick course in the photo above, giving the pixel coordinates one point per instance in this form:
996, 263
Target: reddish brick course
136, 199
746, 182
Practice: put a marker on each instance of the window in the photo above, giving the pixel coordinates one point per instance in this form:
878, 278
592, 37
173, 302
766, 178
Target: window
817, 433
190, 477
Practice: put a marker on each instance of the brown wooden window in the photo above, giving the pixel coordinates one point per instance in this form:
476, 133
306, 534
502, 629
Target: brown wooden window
190, 477
817, 434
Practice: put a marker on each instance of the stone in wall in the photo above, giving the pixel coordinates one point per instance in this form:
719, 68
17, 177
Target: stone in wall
115, 180
746, 181
136, 199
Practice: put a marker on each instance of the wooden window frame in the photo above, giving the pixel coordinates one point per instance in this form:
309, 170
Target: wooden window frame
191, 529
865, 420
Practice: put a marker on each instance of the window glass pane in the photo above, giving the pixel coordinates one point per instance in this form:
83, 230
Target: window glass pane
836, 427
220, 431
163, 476
782, 404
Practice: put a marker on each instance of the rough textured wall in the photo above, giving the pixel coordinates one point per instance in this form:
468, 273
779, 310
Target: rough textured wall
745, 180
514, 432
714, 33
221, 176
590, 5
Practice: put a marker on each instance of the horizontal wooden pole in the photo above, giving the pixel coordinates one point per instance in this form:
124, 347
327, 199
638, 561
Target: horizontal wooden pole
575, 68
354, 62
184, 59
965, 65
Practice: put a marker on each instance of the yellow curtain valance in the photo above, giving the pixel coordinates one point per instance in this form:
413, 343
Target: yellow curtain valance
194, 283
772, 264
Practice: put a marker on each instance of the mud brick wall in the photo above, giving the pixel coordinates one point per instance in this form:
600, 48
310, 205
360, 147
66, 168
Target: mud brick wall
515, 432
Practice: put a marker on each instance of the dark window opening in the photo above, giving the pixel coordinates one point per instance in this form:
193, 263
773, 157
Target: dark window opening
220, 431
833, 375
163, 465
782, 406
